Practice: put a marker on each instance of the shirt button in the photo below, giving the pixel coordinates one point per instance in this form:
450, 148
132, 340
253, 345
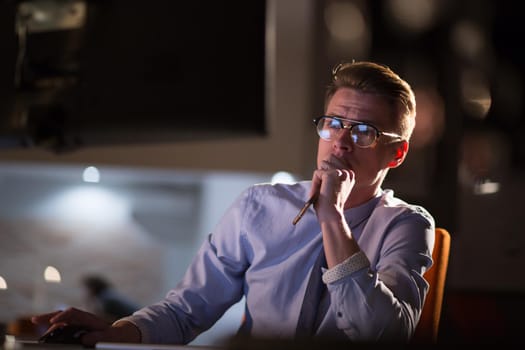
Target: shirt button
339, 314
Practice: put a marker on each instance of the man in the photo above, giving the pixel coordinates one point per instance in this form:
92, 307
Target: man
377, 247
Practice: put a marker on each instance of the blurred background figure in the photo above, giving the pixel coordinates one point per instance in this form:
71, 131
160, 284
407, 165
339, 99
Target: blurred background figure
104, 300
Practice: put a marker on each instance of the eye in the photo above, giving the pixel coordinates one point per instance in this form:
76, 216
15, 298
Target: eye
364, 135
333, 123
364, 130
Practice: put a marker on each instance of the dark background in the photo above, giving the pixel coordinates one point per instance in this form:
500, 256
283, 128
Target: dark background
131, 74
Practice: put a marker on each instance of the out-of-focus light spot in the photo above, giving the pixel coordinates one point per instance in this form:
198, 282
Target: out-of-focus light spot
349, 35
51, 274
283, 177
345, 21
87, 203
91, 174
430, 119
3, 284
485, 159
41, 16
475, 93
467, 39
486, 187
414, 15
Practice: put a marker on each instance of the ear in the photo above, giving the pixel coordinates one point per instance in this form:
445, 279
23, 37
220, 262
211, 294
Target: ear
400, 152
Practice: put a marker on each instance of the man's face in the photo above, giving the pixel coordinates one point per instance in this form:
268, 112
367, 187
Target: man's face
369, 164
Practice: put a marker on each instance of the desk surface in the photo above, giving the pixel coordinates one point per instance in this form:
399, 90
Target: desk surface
24, 344
128, 346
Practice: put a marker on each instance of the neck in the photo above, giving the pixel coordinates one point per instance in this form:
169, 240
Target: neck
360, 197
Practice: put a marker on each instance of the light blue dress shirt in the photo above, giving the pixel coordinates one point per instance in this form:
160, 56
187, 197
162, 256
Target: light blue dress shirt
255, 251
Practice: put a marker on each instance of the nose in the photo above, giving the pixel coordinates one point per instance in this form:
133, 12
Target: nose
342, 141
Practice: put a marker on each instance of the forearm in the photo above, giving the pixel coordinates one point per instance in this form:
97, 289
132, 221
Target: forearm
338, 242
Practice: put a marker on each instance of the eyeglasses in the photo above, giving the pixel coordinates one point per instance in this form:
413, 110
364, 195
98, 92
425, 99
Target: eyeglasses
363, 135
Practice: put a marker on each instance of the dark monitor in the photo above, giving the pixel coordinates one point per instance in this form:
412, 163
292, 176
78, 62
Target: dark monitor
134, 72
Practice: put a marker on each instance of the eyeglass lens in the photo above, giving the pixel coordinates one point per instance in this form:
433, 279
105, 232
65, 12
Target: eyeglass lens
363, 135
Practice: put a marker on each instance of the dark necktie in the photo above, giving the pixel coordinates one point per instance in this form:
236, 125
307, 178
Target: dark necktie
312, 298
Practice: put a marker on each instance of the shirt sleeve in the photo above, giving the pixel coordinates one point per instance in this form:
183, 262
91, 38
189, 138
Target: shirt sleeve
383, 303
212, 283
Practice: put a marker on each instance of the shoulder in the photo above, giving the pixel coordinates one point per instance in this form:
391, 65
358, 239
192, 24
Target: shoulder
278, 191
271, 203
401, 210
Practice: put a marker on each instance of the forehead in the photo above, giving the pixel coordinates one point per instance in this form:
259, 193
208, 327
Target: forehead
366, 107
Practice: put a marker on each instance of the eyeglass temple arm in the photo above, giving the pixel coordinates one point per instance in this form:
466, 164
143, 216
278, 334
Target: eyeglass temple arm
391, 135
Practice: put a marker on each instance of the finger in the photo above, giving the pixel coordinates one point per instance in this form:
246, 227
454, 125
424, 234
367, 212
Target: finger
329, 165
343, 174
350, 174
53, 327
63, 316
71, 316
44, 318
325, 165
334, 162
82, 318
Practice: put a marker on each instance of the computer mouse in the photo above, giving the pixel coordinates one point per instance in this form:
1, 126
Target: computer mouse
64, 335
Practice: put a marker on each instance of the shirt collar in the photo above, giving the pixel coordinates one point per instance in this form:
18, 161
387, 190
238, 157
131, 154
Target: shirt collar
355, 216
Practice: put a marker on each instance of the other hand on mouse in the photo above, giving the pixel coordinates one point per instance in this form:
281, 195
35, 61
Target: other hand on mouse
64, 335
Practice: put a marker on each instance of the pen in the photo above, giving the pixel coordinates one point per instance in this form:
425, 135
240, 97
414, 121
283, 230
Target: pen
303, 209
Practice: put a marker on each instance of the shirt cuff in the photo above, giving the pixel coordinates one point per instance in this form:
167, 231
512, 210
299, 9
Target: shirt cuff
355, 262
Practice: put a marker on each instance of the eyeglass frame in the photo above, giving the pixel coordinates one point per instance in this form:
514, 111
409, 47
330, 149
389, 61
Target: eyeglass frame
350, 127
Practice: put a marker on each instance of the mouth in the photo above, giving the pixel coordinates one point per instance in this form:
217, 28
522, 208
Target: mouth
335, 162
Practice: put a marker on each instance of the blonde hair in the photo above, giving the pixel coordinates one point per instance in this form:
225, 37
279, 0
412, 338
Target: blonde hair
378, 79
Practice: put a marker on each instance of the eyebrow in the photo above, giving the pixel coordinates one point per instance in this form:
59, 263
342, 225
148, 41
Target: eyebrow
350, 120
